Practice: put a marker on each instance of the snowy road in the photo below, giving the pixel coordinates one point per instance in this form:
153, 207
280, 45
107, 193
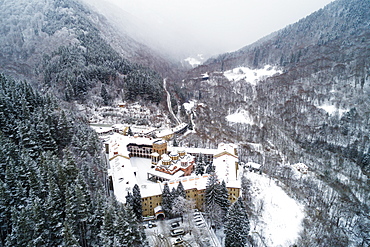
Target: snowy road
169, 101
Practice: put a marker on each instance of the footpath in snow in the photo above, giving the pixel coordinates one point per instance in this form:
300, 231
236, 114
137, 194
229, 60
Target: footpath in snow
278, 217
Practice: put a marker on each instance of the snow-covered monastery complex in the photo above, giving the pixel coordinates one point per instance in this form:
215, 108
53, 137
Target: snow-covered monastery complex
151, 163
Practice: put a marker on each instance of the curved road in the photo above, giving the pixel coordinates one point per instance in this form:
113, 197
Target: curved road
169, 101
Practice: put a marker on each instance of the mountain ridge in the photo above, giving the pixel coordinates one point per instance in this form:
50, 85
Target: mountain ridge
316, 111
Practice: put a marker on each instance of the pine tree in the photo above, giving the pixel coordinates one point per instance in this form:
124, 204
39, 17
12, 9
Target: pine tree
136, 204
96, 218
213, 199
104, 94
63, 131
83, 210
55, 210
180, 190
69, 239
4, 212
129, 199
108, 227
167, 200
223, 198
22, 228
122, 227
237, 225
41, 230
69, 170
199, 169
174, 143
210, 168
43, 134
136, 236
211, 193
174, 193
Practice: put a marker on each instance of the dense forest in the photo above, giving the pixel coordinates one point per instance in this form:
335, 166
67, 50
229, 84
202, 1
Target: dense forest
53, 177
55, 42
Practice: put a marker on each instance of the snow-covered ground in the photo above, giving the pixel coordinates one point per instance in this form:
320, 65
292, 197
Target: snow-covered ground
332, 109
240, 116
251, 75
189, 105
279, 217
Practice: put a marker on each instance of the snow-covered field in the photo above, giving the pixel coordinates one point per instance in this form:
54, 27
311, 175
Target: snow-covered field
279, 217
251, 75
240, 116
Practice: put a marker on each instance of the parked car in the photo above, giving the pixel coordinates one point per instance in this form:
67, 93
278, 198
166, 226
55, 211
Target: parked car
177, 232
198, 220
175, 224
178, 241
200, 224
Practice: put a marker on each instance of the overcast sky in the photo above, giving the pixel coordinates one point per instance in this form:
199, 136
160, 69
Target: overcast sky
213, 26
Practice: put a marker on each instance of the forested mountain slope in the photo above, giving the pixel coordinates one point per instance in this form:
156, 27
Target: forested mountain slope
60, 45
53, 178
315, 110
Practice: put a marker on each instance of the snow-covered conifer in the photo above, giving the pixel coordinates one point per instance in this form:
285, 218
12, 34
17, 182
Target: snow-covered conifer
167, 199
237, 225
136, 202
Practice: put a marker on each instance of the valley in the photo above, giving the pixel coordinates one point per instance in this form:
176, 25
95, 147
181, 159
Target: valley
294, 105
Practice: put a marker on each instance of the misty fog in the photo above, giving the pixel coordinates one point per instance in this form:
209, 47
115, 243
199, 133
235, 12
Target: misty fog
181, 29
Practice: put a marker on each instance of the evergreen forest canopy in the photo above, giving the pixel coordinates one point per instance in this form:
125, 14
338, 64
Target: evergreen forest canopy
53, 179
56, 42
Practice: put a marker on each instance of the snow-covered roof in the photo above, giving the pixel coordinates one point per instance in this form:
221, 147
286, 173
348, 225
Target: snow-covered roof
201, 150
226, 167
159, 141
190, 182
228, 147
118, 143
166, 175
179, 127
253, 165
163, 133
142, 129
150, 189
187, 158
155, 154
101, 129
165, 157
119, 126
123, 177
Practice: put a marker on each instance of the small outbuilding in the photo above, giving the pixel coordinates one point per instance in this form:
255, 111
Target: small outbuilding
159, 213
